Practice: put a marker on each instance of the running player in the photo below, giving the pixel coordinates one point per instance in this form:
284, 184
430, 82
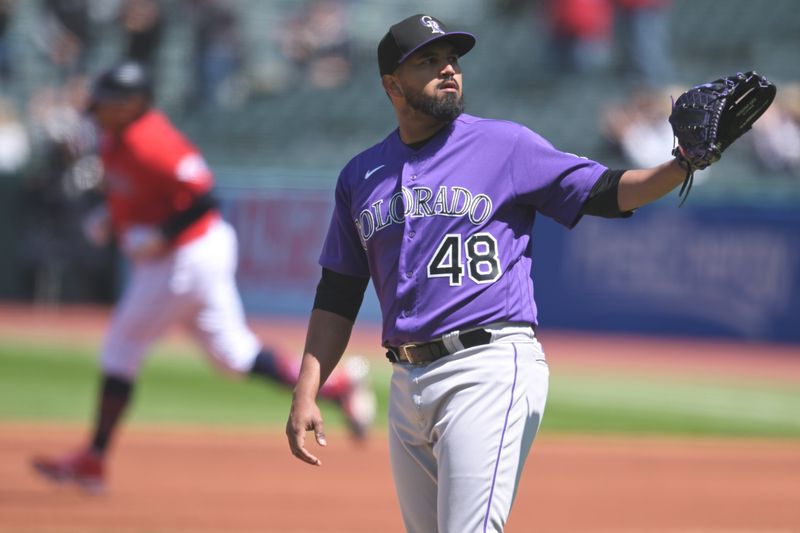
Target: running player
162, 212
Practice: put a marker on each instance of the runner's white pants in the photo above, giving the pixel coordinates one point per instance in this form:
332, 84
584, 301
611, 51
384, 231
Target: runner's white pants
460, 430
193, 286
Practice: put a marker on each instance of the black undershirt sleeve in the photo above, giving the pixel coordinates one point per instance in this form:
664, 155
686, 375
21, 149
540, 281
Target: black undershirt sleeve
340, 294
181, 220
602, 201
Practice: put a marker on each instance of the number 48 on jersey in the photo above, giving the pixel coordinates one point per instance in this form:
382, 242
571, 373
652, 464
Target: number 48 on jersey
480, 251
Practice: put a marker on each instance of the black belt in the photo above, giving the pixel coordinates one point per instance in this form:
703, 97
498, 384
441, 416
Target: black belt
427, 352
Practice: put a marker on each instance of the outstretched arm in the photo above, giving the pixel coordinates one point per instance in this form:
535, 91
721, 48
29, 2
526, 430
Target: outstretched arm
638, 187
706, 120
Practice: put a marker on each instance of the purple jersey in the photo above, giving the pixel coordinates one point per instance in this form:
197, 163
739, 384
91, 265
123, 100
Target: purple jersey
444, 231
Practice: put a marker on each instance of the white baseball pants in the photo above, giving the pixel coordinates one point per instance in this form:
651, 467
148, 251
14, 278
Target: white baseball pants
193, 286
460, 430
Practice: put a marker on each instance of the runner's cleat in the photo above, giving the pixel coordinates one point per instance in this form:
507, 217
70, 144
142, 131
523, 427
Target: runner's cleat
83, 468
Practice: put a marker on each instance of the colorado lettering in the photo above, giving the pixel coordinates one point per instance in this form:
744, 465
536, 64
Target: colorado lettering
419, 202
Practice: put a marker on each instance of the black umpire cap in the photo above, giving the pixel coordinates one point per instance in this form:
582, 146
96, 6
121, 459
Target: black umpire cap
411, 34
121, 82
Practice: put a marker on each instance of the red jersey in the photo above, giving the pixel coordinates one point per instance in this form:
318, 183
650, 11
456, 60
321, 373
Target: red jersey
151, 172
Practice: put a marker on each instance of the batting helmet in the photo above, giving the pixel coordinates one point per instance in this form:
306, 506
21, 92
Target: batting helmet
120, 82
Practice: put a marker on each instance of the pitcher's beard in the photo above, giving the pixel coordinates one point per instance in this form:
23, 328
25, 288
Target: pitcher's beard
445, 109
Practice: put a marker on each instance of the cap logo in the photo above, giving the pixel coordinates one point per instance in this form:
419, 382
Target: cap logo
430, 22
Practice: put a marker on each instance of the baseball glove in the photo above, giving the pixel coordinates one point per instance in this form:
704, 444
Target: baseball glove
707, 118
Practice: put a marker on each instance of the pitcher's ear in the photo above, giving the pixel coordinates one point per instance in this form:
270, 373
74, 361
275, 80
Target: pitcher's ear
391, 86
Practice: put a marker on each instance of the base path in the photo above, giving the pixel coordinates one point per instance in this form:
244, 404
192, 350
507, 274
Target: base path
203, 481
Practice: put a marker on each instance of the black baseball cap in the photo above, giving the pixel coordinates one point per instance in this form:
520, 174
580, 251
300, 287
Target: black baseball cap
411, 34
121, 82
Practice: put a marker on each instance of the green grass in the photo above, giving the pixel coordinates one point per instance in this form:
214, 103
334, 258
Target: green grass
39, 382
48, 383
676, 405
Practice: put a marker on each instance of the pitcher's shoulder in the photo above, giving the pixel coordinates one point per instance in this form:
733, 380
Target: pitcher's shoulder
504, 130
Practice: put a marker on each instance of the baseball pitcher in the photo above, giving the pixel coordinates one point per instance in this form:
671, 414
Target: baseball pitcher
439, 216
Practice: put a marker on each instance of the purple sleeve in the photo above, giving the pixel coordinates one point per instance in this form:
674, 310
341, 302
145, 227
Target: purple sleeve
342, 251
556, 183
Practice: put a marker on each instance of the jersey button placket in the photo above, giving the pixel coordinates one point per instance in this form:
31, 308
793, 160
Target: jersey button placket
410, 233
406, 267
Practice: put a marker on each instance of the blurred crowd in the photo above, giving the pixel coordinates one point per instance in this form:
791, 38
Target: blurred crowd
312, 46
585, 34
631, 39
50, 144
46, 140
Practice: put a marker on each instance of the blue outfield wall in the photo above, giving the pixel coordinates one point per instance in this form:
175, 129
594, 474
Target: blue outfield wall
726, 271
706, 270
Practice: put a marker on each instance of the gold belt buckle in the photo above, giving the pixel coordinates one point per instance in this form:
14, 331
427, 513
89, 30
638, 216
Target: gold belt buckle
405, 354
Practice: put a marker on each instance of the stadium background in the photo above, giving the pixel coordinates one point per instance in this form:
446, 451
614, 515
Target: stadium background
673, 338
279, 128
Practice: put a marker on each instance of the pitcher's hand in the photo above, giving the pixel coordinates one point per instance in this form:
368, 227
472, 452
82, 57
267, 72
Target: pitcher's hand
304, 416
